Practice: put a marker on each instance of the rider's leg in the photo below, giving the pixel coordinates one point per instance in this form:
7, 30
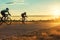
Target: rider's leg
22, 20
5, 17
1, 18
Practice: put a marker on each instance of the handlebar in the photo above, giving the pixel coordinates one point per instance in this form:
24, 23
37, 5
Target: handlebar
7, 15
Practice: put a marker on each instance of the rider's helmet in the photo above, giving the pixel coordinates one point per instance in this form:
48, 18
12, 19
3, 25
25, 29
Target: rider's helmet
7, 8
25, 13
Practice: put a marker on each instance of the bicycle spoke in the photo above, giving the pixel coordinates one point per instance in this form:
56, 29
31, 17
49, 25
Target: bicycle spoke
8, 21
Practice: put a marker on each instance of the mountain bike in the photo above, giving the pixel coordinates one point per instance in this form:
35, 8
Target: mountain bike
6, 20
23, 20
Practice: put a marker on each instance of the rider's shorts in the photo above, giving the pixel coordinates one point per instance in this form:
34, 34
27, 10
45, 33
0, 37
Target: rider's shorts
3, 14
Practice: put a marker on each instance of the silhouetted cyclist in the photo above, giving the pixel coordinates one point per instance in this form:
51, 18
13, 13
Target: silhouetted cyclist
23, 15
3, 13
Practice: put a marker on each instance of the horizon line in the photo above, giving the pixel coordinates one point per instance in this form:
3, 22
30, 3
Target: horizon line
36, 16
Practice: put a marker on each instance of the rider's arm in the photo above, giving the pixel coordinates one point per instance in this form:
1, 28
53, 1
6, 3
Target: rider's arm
25, 15
9, 13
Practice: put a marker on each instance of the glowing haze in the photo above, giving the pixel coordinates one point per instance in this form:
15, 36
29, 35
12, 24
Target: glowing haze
32, 7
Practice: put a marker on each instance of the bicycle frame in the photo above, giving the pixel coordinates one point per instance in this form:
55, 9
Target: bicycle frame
6, 19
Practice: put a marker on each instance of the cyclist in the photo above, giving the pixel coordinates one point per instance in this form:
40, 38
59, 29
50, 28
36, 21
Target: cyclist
23, 15
3, 13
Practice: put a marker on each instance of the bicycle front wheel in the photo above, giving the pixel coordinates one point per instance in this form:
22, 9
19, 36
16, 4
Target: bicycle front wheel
8, 21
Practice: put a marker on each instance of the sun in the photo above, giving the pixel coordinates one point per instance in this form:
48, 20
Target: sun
56, 12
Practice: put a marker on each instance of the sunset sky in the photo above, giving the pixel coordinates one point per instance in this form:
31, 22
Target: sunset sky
32, 7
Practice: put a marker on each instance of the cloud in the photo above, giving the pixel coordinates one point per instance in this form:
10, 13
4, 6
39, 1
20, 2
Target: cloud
18, 0
9, 2
15, 2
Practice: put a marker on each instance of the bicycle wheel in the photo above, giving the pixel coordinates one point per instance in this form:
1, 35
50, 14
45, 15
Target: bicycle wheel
8, 21
1, 21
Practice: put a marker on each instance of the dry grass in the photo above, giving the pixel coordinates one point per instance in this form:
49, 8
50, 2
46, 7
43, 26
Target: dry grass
30, 31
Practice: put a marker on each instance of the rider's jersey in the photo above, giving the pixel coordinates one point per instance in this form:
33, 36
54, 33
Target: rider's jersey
23, 15
3, 11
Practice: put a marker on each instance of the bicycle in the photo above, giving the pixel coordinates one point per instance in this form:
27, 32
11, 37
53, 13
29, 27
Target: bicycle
6, 20
23, 20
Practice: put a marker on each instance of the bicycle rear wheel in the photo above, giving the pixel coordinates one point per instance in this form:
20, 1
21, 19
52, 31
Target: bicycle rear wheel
8, 21
1, 21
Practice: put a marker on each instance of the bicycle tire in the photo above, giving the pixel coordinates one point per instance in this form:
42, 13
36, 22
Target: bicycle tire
8, 21
1, 21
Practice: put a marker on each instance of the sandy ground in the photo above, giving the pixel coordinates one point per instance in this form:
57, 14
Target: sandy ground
18, 29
